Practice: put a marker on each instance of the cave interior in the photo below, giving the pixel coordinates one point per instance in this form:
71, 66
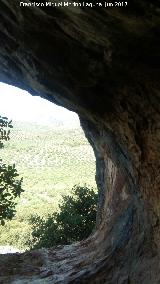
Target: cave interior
102, 63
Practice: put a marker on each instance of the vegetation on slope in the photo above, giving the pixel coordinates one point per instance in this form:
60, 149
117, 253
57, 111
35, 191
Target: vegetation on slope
51, 161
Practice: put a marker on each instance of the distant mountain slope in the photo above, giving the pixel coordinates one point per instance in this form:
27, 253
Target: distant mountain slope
51, 161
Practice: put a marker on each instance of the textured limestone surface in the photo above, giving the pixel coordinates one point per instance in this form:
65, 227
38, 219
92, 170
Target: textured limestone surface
102, 63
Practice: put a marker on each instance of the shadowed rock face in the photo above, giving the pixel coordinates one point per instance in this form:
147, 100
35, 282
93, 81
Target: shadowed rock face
102, 63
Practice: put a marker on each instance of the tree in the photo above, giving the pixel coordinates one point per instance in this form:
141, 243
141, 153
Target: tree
4, 129
10, 186
74, 222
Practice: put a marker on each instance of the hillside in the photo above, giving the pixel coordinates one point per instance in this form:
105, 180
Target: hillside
51, 160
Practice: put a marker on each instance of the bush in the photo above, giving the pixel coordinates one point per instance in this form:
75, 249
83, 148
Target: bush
10, 187
74, 222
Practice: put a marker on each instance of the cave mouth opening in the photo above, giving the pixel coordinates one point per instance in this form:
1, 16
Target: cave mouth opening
103, 65
51, 153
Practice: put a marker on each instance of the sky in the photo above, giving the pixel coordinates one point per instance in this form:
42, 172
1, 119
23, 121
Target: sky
19, 105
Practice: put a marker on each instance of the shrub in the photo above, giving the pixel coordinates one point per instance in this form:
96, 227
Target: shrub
74, 222
10, 187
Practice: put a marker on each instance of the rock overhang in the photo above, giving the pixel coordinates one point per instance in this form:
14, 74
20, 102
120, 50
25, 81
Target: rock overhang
103, 64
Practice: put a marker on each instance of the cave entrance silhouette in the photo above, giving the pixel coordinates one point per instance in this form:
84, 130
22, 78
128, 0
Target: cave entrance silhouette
103, 65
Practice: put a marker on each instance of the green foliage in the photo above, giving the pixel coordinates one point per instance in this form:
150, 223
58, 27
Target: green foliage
10, 187
74, 222
50, 160
4, 129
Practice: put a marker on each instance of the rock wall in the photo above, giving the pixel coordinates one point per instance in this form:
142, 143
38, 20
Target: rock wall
102, 63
